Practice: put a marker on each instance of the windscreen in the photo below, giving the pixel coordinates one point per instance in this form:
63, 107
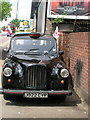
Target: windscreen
33, 45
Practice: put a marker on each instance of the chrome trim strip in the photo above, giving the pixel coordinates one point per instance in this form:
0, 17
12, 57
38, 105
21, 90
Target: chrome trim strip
50, 92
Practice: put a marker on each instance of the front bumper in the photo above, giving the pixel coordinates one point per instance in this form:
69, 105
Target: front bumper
22, 92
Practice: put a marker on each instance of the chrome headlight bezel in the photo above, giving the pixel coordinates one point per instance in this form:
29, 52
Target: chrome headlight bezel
64, 73
7, 72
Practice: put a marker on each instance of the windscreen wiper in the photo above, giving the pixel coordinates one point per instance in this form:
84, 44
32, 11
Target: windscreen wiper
32, 49
19, 52
51, 48
48, 50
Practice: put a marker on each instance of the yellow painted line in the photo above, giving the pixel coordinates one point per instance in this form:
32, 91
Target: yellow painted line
4, 44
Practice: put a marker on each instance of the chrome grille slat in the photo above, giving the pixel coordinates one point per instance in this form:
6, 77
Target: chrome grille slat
28, 77
37, 76
40, 77
33, 78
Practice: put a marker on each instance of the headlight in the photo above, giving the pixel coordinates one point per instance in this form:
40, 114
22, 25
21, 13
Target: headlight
7, 72
64, 73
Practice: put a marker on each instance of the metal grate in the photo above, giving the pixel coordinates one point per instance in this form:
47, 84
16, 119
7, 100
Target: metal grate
37, 76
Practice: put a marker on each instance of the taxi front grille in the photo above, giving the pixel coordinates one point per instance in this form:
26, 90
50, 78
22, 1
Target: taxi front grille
37, 76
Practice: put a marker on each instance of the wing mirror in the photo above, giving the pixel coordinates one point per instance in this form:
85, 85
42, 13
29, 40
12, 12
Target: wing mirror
61, 52
4, 53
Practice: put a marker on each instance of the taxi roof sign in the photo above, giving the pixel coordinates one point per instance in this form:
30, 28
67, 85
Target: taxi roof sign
31, 34
35, 35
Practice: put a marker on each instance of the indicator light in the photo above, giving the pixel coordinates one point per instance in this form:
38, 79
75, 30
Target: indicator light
62, 81
9, 80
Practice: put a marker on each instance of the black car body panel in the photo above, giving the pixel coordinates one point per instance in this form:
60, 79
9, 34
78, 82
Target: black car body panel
34, 71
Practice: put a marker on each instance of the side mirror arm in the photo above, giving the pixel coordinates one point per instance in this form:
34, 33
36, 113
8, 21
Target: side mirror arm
61, 52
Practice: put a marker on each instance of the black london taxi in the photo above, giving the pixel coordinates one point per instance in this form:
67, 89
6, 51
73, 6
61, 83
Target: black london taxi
34, 68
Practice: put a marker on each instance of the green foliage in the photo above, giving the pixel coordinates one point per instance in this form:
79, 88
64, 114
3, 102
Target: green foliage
5, 9
58, 20
3, 28
28, 30
16, 22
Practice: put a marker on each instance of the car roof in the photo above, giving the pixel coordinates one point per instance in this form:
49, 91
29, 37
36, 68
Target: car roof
26, 33
21, 33
17, 34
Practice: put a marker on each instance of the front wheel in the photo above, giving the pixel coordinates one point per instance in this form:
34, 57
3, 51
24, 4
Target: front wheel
12, 98
6, 97
61, 98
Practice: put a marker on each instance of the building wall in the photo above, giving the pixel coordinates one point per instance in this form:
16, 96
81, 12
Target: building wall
75, 47
89, 69
64, 45
76, 53
79, 62
48, 30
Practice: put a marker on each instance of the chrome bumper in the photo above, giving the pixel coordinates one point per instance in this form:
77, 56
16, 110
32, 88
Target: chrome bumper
22, 92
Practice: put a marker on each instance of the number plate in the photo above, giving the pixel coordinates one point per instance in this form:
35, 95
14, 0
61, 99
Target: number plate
36, 95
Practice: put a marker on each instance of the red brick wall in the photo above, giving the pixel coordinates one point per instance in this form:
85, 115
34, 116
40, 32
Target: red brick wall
89, 68
79, 62
75, 46
64, 45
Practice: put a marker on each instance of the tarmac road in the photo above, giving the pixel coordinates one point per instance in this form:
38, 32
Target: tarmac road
73, 107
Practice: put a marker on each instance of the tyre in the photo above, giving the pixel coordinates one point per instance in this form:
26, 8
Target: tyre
12, 98
6, 97
61, 98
